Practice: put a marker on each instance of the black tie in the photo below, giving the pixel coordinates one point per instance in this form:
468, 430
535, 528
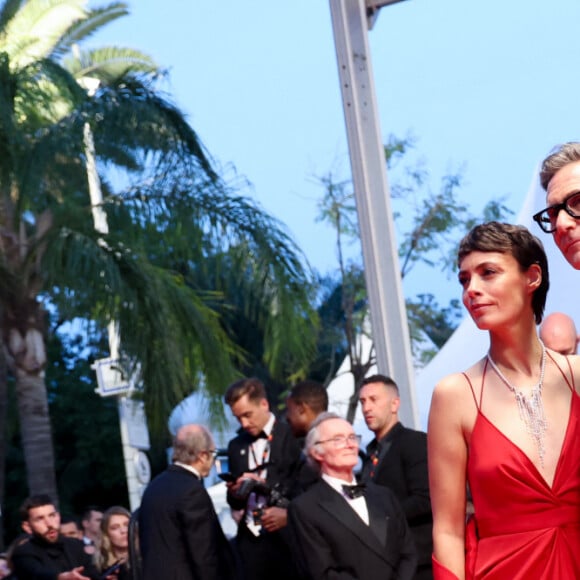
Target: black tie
354, 491
261, 435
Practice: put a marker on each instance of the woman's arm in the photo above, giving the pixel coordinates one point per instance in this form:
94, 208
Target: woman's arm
447, 449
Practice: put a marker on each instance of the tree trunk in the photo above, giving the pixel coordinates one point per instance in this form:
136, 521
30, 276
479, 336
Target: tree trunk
36, 433
27, 349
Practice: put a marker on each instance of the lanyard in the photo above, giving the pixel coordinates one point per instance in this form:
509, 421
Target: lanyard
265, 454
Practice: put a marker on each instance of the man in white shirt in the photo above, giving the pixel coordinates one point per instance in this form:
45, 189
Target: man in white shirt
343, 530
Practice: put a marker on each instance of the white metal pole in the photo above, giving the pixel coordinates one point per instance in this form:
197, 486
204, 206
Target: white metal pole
101, 226
368, 165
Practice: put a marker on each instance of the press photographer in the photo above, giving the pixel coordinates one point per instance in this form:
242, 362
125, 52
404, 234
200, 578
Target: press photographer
264, 498
264, 460
267, 504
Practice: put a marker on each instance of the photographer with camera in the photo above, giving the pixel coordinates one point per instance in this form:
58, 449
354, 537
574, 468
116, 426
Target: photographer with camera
264, 459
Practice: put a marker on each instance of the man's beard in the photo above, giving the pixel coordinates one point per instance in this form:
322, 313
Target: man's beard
49, 536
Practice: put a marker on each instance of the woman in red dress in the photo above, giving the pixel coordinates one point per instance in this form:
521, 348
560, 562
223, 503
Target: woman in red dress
508, 426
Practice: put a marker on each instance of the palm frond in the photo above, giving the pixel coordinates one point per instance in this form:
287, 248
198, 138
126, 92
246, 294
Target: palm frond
8, 10
110, 65
165, 324
82, 29
36, 28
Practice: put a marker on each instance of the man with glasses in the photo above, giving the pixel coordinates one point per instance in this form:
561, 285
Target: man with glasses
179, 532
397, 459
560, 177
345, 530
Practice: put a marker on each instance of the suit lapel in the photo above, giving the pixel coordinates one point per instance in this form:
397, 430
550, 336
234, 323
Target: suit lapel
242, 459
377, 518
337, 507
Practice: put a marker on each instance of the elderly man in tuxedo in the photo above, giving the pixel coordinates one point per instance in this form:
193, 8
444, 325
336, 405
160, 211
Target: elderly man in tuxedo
179, 532
343, 530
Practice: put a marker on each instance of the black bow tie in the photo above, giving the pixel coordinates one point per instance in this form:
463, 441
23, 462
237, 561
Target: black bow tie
354, 491
261, 435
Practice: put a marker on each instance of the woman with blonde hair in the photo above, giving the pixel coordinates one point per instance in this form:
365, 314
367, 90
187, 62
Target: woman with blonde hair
509, 426
112, 555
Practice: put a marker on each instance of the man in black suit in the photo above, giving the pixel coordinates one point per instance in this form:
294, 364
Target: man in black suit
343, 532
264, 458
47, 554
179, 532
397, 459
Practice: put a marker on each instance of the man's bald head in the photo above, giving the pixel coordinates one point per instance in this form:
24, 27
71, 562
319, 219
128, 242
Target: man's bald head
558, 332
190, 440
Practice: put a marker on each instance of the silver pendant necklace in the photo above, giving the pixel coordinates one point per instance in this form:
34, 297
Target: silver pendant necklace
530, 408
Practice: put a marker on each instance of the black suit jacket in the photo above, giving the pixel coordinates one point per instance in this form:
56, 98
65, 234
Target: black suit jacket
35, 559
179, 532
332, 542
284, 461
403, 469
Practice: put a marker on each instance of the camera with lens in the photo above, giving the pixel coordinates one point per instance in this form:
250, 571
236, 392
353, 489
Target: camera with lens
276, 495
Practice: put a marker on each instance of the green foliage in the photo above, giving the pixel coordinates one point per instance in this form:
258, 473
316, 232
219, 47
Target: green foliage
430, 225
427, 318
86, 437
86, 474
168, 211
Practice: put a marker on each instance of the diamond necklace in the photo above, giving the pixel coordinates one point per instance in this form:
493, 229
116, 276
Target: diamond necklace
530, 408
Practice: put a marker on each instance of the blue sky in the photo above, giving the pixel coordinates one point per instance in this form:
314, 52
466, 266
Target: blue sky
489, 87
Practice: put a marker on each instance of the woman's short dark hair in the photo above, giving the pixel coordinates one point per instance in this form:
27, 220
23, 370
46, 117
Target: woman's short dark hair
519, 243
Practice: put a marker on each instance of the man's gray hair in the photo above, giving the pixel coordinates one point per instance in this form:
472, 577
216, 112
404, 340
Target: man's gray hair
189, 442
314, 435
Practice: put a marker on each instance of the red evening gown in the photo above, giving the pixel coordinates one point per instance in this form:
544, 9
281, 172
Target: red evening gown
526, 530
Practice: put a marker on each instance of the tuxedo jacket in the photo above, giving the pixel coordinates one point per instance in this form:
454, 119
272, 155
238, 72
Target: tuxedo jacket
283, 463
179, 532
402, 467
332, 542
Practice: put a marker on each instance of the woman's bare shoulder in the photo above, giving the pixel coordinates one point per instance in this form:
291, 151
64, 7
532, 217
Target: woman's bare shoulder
457, 384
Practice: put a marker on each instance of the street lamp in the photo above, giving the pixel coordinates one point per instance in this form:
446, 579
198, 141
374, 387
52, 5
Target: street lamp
111, 379
373, 8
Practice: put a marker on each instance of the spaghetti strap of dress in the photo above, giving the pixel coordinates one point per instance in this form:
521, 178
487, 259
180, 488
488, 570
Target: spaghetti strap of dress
572, 386
472, 391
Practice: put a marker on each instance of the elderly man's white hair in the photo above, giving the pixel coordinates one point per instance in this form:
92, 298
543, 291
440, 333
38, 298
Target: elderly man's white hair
314, 435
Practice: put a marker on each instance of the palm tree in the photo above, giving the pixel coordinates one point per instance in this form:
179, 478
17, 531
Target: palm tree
165, 205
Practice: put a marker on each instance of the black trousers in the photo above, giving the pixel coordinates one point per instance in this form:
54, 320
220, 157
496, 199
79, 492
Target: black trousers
265, 557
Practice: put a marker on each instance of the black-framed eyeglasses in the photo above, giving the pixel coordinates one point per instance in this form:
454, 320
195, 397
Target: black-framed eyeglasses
548, 217
342, 440
213, 452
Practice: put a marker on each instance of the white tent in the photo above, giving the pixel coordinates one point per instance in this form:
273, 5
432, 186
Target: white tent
468, 344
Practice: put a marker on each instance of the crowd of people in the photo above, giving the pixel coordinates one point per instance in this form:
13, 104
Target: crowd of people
96, 546
492, 492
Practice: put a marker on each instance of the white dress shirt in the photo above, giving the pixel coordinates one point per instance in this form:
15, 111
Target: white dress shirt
358, 504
